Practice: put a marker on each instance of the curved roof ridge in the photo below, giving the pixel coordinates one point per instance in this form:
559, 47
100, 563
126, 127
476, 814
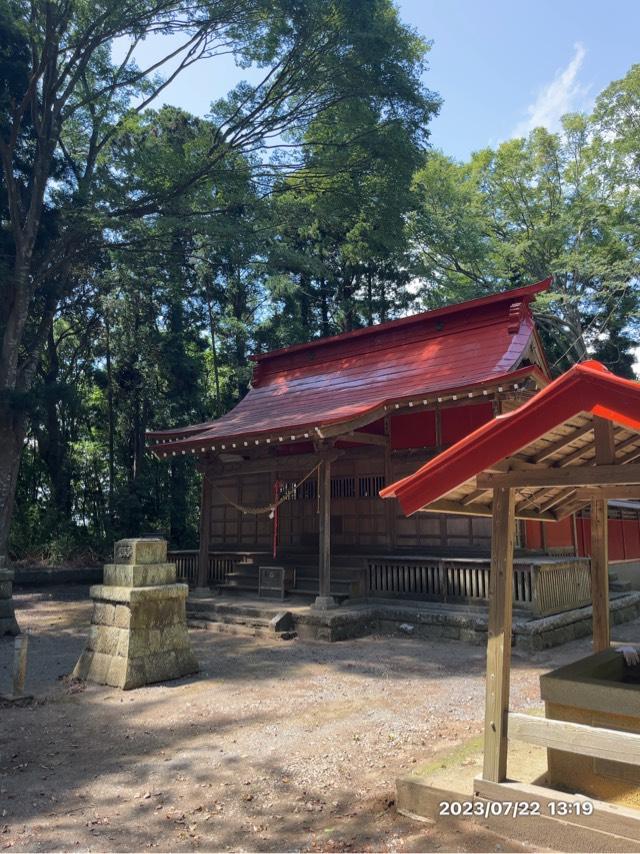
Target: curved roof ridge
527, 292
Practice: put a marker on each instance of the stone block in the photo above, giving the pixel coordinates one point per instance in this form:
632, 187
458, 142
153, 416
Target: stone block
9, 626
6, 589
134, 551
6, 609
139, 574
7, 574
138, 632
122, 616
103, 613
107, 640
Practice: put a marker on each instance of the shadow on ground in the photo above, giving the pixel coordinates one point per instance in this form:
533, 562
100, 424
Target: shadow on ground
274, 746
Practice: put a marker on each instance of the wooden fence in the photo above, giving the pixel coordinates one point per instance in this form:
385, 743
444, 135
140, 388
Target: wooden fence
186, 561
542, 588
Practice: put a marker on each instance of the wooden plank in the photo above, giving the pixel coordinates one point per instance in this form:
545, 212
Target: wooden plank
558, 445
570, 476
607, 818
601, 743
499, 636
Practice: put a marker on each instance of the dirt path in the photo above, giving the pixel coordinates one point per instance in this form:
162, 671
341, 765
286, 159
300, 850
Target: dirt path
275, 746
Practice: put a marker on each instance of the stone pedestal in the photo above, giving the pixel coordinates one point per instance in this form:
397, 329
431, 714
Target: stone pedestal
138, 631
8, 623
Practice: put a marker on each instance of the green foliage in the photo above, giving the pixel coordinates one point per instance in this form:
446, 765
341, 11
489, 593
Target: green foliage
562, 204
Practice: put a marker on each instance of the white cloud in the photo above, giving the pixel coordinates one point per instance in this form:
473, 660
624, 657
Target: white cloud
563, 95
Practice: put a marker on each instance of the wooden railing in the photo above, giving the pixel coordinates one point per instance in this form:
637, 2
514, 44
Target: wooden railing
561, 586
186, 561
542, 588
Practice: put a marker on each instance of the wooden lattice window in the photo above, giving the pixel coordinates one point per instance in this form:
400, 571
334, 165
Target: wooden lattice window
305, 491
370, 485
343, 487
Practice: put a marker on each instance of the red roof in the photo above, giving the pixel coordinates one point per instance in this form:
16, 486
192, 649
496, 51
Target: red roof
334, 380
588, 388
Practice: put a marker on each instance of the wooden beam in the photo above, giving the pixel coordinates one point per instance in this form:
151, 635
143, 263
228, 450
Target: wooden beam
293, 462
365, 438
443, 505
602, 819
554, 447
472, 496
605, 455
499, 637
608, 493
205, 532
571, 476
601, 743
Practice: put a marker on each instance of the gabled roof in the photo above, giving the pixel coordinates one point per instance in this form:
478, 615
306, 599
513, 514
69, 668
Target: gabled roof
553, 429
329, 382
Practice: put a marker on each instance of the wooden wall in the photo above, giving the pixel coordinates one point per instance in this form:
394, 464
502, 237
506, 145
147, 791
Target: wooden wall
360, 520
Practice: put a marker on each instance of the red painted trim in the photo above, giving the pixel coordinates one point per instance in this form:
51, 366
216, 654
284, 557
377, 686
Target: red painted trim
588, 387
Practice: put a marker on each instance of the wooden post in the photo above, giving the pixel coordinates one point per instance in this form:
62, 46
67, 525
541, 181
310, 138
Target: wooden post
20, 665
499, 636
600, 574
202, 583
391, 509
324, 599
605, 455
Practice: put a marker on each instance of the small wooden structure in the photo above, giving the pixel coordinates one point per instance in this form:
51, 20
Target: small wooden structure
576, 444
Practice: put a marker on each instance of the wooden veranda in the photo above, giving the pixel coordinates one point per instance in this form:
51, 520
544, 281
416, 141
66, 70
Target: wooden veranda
575, 444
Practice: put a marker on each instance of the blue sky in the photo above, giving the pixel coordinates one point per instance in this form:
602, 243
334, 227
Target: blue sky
501, 66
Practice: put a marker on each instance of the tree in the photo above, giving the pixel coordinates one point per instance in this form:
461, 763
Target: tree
563, 204
65, 106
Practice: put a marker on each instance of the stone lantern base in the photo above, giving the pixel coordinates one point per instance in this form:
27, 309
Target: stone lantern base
138, 631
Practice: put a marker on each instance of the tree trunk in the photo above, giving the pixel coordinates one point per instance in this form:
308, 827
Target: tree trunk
12, 433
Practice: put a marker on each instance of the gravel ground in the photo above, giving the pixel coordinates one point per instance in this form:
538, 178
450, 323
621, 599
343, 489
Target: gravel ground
274, 746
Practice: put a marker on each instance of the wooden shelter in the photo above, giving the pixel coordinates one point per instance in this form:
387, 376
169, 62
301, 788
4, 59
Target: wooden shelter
573, 445
295, 468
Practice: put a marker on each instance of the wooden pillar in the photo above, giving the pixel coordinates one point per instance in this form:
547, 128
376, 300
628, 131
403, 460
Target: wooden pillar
605, 455
600, 574
390, 509
499, 636
324, 599
205, 533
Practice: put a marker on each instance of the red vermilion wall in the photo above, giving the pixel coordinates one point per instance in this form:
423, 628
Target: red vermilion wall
418, 429
624, 536
458, 421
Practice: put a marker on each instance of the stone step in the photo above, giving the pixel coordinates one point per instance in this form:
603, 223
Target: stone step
620, 586
243, 621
